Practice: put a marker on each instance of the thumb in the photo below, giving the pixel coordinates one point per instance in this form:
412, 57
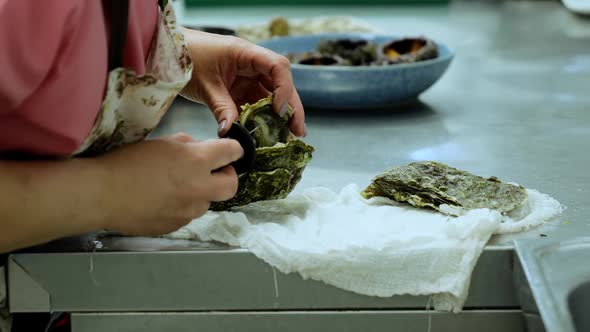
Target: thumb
179, 137
223, 107
182, 138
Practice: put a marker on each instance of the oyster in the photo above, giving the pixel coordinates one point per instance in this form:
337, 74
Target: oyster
316, 59
362, 52
279, 161
320, 61
298, 27
358, 52
446, 189
278, 26
408, 50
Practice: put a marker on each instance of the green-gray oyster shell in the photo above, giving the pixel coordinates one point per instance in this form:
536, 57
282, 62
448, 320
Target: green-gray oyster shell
406, 50
433, 185
279, 161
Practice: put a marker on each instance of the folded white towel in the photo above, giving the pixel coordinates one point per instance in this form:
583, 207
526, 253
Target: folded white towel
374, 247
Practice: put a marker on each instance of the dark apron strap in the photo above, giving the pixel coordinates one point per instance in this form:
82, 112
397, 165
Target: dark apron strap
117, 12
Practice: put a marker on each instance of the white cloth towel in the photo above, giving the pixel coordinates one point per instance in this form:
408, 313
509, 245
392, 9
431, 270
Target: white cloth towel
374, 247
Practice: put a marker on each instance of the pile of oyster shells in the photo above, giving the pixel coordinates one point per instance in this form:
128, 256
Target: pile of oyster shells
361, 52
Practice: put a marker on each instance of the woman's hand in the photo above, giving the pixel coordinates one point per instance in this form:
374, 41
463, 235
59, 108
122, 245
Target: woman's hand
230, 71
158, 186
149, 188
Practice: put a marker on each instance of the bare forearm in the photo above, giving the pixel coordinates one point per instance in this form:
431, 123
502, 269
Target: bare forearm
149, 188
42, 201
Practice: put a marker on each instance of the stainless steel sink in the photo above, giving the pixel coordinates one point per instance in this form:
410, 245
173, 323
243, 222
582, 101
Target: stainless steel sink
579, 305
558, 275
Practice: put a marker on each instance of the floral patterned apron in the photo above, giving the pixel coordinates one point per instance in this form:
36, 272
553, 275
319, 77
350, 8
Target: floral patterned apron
133, 104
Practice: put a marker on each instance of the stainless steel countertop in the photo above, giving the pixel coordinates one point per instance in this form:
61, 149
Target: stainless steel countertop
558, 279
515, 103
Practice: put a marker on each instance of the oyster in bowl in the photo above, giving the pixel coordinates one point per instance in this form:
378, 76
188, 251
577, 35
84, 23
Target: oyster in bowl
406, 50
375, 82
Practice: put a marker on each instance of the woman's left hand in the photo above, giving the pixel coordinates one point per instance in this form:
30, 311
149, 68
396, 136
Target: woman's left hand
230, 71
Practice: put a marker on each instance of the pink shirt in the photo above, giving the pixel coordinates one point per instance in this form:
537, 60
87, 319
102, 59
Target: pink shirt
53, 69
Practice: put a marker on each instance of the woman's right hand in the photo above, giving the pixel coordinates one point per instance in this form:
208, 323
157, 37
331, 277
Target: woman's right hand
159, 185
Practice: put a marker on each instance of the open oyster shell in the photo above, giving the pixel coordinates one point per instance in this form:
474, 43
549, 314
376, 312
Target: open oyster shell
362, 52
408, 50
279, 161
265, 125
357, 52
446, 189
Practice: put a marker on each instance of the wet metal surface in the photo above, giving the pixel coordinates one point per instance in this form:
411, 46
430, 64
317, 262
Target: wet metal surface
515, 102
559, 279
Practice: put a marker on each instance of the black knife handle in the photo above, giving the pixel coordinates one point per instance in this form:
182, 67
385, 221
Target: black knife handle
241, 134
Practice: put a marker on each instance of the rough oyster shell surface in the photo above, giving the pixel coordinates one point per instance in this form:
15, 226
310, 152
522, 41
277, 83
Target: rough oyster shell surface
408, 49
363, 52
317, 59
357, 52
433, 185
279, 161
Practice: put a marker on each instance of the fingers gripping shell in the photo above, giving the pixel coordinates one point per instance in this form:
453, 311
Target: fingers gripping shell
279, 161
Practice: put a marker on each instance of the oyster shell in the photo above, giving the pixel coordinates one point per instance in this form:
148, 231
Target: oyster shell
279, 161
434, 185
278, 26
316, 59
362, 52
408, 50
358, 52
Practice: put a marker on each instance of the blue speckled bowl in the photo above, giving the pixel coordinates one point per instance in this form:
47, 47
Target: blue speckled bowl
342, 87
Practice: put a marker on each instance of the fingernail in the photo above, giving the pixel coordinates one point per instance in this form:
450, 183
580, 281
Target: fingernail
284, 109
222, 125
304, 130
